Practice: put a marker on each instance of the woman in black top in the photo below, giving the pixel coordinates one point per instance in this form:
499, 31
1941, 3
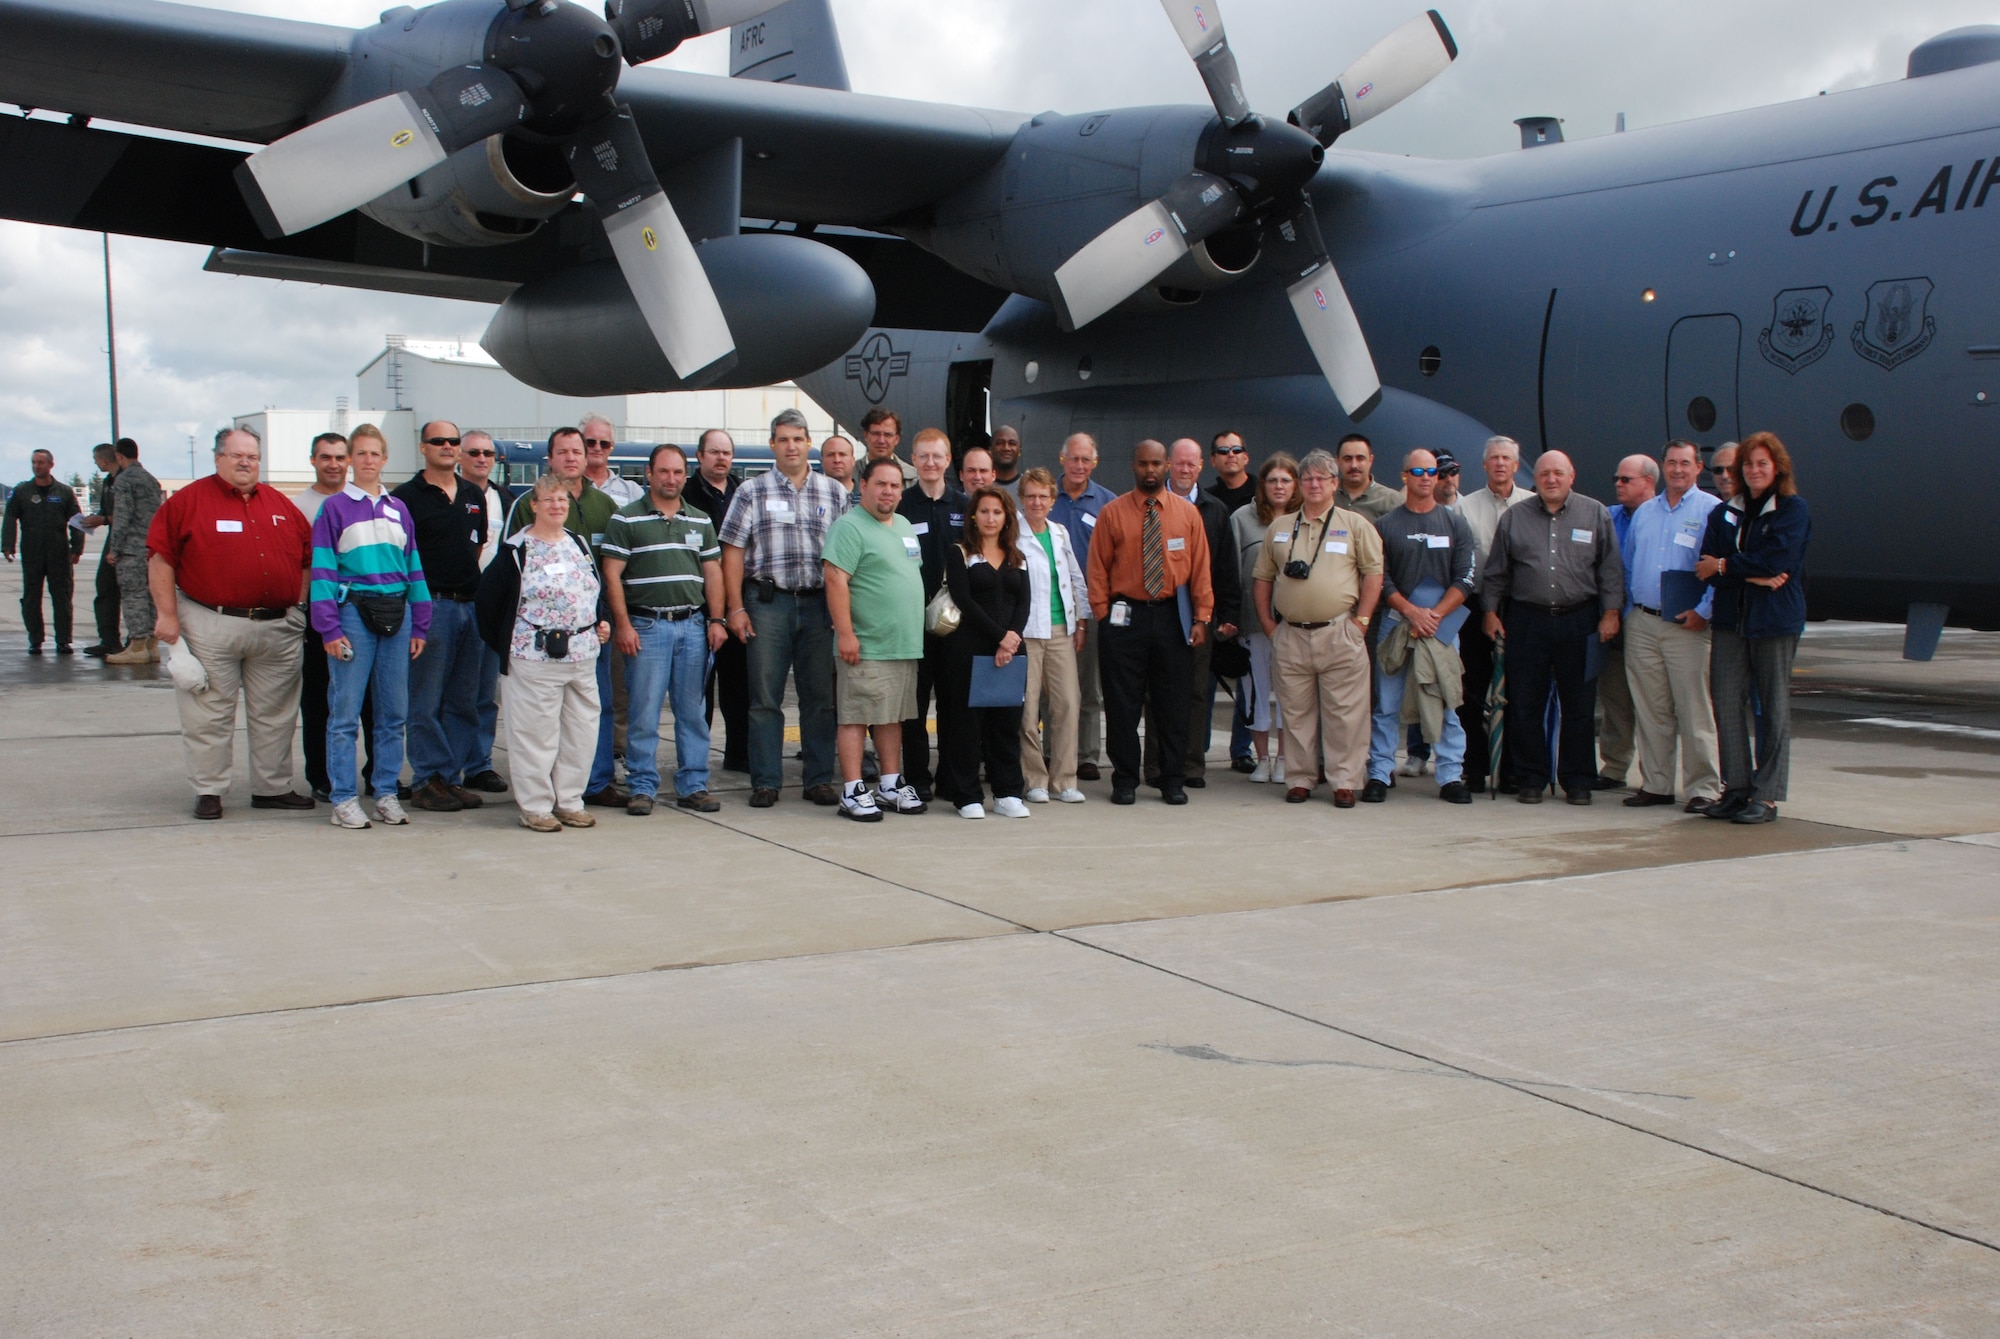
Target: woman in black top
990, 585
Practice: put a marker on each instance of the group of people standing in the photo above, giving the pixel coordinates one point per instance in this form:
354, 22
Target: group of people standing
45, 526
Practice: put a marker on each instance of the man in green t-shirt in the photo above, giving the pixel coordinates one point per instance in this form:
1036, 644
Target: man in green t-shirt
875, 599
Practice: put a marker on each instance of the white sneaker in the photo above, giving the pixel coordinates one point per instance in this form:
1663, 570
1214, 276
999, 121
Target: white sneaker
972, 811
1261, 772
1072, 796
1414, 767
347, 814
859, 805
1038, 796
1010, 806
902, 800
390, 810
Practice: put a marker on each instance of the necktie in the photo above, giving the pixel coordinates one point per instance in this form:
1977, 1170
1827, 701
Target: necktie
1153, 553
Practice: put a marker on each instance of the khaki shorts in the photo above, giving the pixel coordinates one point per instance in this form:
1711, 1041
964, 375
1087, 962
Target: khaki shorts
875, 692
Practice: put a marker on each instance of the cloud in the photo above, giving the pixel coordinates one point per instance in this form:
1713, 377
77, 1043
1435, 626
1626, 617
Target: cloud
196, 348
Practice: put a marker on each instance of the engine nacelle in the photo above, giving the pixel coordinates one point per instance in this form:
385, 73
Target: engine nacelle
792, 305
491, 193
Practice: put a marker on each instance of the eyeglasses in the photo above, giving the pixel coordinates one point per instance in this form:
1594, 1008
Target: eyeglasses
598, 441
1421, 471
477, 454
1624, 478
1229, 451
440, 441
1720, 469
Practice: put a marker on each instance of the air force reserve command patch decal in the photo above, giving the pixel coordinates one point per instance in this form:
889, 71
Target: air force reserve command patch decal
1897, 325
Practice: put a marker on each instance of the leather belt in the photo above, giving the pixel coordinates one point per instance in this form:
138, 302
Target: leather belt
1646, 609
1556, 610
679, 615
254, 615
1147, 604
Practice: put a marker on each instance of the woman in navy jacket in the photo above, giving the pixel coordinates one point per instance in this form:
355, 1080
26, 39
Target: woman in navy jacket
1754, 556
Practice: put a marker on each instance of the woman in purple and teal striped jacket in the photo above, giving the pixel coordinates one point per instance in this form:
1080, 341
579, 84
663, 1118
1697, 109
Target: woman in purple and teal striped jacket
371, 608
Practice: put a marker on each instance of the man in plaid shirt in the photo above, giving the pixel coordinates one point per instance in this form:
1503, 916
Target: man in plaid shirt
774, 589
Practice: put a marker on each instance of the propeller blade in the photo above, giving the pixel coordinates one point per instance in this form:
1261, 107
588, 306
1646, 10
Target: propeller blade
348, 159
1392, 69
1199, 24
649, 29
1137, 249
1325, 315
608, 158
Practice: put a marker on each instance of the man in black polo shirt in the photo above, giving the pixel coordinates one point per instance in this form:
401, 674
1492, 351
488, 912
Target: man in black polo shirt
936, 511
451, 522
711, 487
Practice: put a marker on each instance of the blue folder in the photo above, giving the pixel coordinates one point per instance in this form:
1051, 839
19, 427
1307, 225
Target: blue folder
1680, 592
1426, 596
999, 685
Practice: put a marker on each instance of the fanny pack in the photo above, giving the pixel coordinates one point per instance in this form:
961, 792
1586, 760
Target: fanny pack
380, 614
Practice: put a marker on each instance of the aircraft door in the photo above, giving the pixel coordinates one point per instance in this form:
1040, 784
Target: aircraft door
1702, 353
968, 398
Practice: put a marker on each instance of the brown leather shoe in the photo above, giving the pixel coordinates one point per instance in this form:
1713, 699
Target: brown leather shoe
291, 799
825, 793
700, 801
1343, 799
1087, 771
1297, 795
467, 797
208, 806
434, 796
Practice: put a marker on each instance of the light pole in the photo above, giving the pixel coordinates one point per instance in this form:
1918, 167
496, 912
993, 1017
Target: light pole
110, 338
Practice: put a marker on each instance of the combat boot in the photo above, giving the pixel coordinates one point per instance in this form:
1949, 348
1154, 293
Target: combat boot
139, 651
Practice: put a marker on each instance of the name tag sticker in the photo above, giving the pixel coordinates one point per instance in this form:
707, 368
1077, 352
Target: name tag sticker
776, 505
1090, 523
694, 539
957, 519
911, 545
1687, 541
921, 528
1121, 614
1281, 537
1438, 541
556, 570
1336, 546
229, 527
1579, 536
1176, 544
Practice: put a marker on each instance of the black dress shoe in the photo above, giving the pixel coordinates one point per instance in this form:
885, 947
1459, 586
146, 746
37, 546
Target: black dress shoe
208, 806
1087, 771
100, 650
1529, 796
1244, 765
1578, 795
1454, 792
1173, 795
1477, 785
1375, 792
65, 649
1508, 786
1757, 811
1646, 799
291, 799
1606, 783
1729, 805
1698, 805
1196, 782
36, 650
1123, 794
322, 794
489, 781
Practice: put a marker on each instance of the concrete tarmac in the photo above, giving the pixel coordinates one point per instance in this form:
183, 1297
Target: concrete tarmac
1241, 1068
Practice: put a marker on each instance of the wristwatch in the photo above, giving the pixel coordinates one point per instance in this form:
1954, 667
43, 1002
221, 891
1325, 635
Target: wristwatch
1363, 619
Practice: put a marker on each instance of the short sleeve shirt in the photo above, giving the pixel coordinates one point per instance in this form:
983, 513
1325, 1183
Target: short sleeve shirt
885, 583
558, 593
1340, 548
662, 554
229, 551
781, 529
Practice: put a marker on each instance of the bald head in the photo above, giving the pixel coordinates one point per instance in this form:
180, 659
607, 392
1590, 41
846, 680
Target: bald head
1184, 465
1419, 489
1149, 466
1554, 477
1637, 480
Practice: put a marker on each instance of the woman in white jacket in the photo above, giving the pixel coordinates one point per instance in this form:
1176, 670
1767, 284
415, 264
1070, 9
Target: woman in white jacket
1058, 606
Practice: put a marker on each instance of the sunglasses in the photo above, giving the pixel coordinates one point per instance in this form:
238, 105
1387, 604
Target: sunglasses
598, 441
1422, 471
440, 441
477, 454
1230, 451
1624, 478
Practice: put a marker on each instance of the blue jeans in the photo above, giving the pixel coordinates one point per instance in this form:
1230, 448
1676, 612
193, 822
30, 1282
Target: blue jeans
672, 665
603, 767
795, 635
1450, 750
444, 695
384, 664
480, 758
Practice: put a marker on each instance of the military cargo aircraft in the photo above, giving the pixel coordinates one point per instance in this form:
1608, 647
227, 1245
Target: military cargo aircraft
1824, 269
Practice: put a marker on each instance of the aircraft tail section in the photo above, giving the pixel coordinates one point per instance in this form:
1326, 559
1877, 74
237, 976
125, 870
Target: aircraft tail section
796, 43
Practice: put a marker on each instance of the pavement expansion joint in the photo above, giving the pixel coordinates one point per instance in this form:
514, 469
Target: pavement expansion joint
1536, 1091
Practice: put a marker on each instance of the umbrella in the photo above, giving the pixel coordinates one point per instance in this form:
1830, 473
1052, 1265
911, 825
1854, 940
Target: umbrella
1496, 717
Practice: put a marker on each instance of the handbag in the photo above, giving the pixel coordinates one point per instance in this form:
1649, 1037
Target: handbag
380, 614
941, 615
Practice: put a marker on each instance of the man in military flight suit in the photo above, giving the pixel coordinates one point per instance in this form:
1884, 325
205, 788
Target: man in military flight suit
37, 528
135, 496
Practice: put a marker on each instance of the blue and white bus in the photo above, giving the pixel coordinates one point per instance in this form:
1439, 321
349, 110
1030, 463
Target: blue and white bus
522, 462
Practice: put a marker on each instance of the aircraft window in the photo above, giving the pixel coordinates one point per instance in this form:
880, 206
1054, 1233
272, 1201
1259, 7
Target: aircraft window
1858, 422
1701, 413
1429, 361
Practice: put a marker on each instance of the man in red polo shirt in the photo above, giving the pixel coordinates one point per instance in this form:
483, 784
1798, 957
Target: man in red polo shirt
229, 564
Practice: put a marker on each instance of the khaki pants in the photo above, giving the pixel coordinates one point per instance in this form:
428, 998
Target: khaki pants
1614, 713
551, 710
1322, 679
1052, 686
1666, 668
1090, 700
259, 662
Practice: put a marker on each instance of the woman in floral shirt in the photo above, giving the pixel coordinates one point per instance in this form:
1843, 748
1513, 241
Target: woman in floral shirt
540, 609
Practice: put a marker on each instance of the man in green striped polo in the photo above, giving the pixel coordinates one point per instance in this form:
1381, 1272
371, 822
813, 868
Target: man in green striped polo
663, 580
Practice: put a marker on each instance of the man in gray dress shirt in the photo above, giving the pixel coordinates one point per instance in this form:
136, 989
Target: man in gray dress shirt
1553, 581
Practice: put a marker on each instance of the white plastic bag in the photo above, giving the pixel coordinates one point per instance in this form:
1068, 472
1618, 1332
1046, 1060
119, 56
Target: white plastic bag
182, 667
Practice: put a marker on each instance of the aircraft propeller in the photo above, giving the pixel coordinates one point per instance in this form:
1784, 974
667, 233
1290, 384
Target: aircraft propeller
551, 70
1258, 170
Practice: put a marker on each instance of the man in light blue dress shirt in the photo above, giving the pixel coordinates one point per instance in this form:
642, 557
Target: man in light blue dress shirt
1666, 641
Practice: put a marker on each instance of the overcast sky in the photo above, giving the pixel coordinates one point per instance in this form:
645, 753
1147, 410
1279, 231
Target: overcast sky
195, 348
